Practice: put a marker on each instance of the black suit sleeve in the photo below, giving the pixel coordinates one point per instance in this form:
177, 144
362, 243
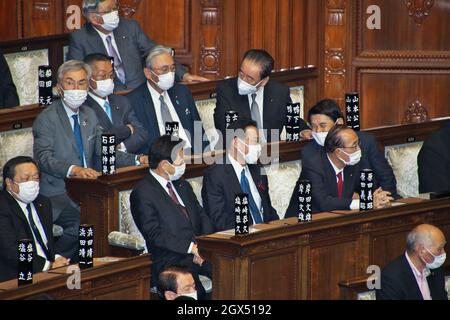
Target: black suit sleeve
434, 171
390, 288
381, 167
214, 202
8, 91
146, 216
272, 214
138, 139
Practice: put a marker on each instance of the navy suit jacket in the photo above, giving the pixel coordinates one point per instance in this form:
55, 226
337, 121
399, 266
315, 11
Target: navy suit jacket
14, 226
181, 97
8, 91
399, 283
133, 46
220, 186
122, 114
315, 160
276, 98
167, 232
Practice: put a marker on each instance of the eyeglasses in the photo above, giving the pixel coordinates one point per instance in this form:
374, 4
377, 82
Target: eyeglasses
166, 69
109, 11
354, 148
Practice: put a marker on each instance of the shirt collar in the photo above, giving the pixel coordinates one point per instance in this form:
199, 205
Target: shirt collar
336, 169
236, 165
69, 111
162, 181
102, 35
97, 99
155, 94
425, 272
22, 205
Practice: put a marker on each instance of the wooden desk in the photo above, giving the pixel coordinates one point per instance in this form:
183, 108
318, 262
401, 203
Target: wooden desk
123, 279
307, 261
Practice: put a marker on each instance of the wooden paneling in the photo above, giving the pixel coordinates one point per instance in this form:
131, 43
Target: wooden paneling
10, 20
39, 18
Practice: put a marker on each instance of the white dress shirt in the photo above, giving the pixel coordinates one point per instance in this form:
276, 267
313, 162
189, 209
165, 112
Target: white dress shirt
355, 203
157, 104
105, 43
70, 113
253, 189
37, 221
102, 102
163, 182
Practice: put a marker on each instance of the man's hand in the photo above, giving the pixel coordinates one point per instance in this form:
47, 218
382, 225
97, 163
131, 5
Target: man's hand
198, 260
306, 134
85, 173
60, 262
190, 78
143, 160
355, 196
382, 199
131, 128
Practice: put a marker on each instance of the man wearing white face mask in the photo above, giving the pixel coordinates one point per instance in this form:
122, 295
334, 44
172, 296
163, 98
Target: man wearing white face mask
255, 96
67, 142
168, 214
25, 214
334, 173
123, 39
176, 283
114, 112
322, 117
239, 173
161, 100
417, 274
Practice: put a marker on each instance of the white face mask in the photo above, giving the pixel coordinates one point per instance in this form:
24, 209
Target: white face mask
104, 87
28, 191
166, 81
111, 20
75, 98
355, 158
192, 295
254, 152
320, 137
438, 261
179, 171
246, 88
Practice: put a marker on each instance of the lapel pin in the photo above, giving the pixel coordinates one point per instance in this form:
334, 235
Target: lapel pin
84, 123
187, 111
271, 100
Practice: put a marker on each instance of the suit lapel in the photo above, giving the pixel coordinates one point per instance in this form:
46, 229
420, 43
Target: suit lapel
233, 182
120, 36
179, 109
103, 117
330, 174
66, 124
410, 280
85, 126
95, 41
149, 111
350, 174
115, 111
267, 106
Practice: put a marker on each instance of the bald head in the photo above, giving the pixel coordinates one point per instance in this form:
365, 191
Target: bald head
425, 235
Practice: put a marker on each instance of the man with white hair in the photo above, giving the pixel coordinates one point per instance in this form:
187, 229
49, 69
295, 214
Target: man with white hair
160, 100
417, 274
67, 144
122, 39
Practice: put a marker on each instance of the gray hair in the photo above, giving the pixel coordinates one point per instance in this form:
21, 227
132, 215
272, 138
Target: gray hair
90, 6
73, 65
155, 52
418, 237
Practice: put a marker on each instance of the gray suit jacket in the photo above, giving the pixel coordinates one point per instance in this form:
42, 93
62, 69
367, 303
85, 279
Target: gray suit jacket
55, 148
122, 114
132, 43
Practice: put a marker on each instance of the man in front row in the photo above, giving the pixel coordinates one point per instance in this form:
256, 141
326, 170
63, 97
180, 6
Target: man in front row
334, 173
417, 274
177, 283
25, 214
114, 111
161, 100
67, 144
239, 173
168, 214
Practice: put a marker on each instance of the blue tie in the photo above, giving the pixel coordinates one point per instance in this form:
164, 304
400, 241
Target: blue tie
78, 139
108, 110
245, 187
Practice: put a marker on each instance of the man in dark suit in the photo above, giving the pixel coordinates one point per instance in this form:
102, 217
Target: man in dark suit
67, 144
417, 274
122, 39
239, 173
253, 95
114, 112
8, 91
177, 283
25, 214
168, 214
434, 162
322, 117
334, 173
161, 100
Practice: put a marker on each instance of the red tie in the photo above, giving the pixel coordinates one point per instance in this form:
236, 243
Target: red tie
175, 200
339, 184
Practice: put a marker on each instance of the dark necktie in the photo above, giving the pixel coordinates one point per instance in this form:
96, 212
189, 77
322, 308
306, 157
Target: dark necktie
245, 187
78, 139
175, 200
118, 65
340, 184
36, 232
